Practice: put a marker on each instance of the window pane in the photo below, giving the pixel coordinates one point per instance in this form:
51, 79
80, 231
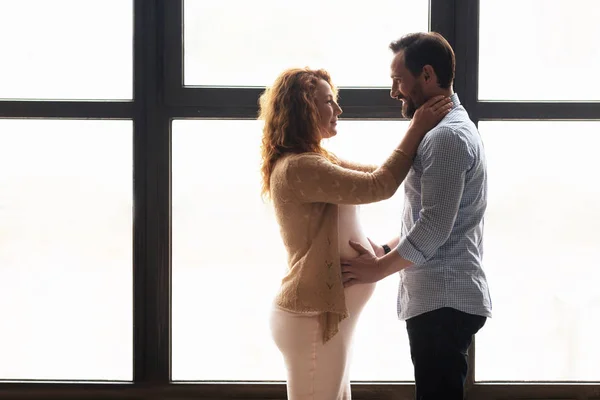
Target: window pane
66, 49
66, 250
248, 43
541, 252
547, 53
217, 210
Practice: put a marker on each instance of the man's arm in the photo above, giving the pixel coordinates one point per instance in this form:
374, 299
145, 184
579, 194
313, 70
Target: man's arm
367, 268
378, 248
446, 158
394, 242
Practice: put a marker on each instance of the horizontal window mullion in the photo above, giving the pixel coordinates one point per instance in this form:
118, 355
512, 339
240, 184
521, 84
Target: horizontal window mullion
538, 110
248, 96
242, 103
277, 390
521, 390
350, 112
68, 391
66, 109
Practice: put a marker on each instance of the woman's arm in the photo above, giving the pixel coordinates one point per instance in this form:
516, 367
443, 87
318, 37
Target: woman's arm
315, 179
357, 166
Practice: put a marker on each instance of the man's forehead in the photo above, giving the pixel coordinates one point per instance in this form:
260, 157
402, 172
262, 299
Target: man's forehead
397, 62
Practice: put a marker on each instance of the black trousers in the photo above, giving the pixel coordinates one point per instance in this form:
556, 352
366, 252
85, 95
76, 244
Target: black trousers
439, 341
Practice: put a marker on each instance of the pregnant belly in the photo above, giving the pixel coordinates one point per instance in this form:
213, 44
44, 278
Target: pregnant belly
349, 229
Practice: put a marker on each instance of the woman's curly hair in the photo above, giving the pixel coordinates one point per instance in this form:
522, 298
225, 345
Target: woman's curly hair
291, 119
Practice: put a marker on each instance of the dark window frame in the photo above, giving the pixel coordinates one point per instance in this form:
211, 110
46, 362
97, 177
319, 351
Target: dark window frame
159, 97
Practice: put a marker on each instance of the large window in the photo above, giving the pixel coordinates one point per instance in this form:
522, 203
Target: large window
231, 218
66, 49
545, 53
541, 252
65, 250
258, 39
129, 167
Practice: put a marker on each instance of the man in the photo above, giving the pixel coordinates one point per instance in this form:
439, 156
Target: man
443, 293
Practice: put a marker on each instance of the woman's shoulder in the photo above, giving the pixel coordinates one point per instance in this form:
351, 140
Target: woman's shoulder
308, 161
299, 161
305, 157
282, 167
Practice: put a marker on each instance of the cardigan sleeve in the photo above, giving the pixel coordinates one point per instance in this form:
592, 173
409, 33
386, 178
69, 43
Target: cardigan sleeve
357, 166
313, 178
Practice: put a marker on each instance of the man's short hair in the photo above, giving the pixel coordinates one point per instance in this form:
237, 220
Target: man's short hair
427, 48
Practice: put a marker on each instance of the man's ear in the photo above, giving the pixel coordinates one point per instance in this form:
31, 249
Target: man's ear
429, 74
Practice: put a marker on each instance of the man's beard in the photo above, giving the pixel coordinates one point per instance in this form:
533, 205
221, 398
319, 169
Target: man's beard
412, 102
408, 108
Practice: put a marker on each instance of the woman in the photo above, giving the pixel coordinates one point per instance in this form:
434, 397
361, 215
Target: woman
314, 196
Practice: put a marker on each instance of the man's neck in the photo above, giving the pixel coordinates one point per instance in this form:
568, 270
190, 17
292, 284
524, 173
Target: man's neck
442, 92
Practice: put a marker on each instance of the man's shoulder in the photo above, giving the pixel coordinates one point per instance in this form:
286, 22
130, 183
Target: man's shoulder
457, 139
457, 127
445, 134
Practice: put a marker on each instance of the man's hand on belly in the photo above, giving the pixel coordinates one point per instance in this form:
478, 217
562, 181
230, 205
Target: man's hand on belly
367, 268
362, 269
379, 251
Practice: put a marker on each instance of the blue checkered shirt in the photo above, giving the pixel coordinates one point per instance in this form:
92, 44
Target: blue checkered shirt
442, 224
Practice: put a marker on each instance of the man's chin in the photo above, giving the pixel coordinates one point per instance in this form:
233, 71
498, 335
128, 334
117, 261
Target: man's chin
407, 112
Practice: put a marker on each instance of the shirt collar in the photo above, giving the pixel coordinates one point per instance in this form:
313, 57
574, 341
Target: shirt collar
455, 100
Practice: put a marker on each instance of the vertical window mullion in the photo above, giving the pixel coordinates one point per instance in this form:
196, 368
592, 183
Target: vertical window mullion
152, 247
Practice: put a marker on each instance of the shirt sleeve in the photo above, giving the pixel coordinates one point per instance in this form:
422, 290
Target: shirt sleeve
446, 157
314, 179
